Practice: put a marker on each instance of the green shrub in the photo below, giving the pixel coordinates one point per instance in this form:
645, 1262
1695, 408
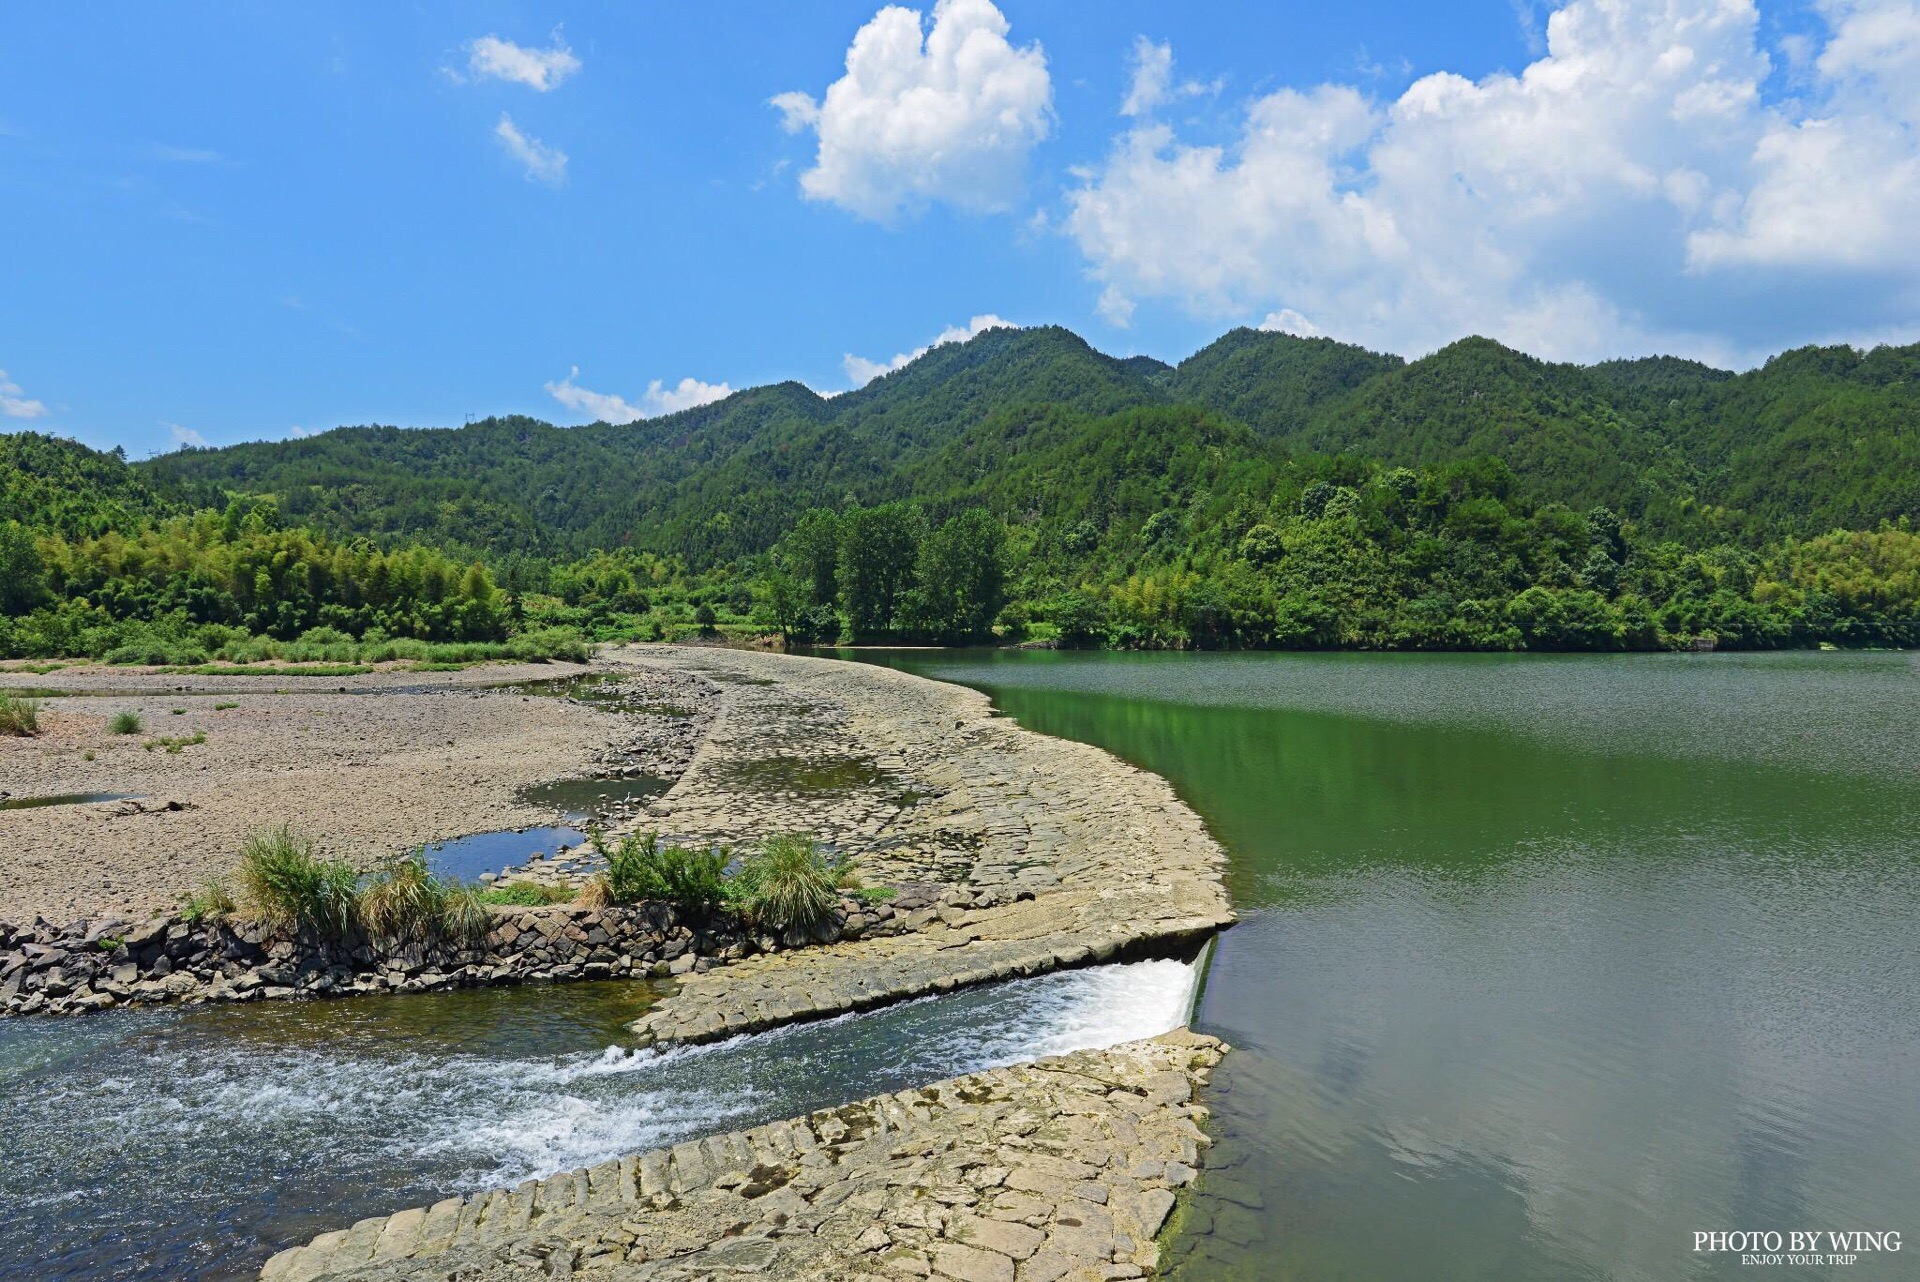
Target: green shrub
527, 894
126, 723
213, 901
789, 885
157, 651
19, 715
287, 886
402, 902
551, 643
640, 868
175, 743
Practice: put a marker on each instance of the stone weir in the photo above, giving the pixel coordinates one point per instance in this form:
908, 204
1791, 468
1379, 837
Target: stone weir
1062, 1169
1050, 853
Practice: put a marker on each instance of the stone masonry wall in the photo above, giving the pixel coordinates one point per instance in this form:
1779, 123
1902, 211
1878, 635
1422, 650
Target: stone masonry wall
87, 966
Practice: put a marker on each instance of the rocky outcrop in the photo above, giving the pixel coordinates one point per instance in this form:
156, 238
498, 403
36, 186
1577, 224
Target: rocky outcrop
1062, 1169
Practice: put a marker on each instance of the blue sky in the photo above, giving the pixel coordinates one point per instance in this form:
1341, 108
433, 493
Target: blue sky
229, 222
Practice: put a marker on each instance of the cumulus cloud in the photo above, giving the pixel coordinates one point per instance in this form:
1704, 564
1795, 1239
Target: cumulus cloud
184, 437
490, 57
542, 163
14, 402
1288, 321
863, 371
658, 398
1632, 187
947, 113
684, 395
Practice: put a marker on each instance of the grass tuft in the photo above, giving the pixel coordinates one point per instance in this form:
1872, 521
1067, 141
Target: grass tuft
19, 715
285, 884
789, 885
404, 903
126, 723
528, 894
212, 902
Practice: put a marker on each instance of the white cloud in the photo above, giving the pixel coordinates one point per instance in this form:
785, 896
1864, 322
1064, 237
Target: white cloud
1631, 188
537, 69
299, 433
543, 163
1151, 84
684, 395
944, 113
1152, 77
183, 437
658, 398
14, 403
863, 371
1288, 321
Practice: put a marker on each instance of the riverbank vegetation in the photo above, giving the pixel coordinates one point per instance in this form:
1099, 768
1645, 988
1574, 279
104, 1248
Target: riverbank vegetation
19, 715
282, 882
1269, 491
784, 884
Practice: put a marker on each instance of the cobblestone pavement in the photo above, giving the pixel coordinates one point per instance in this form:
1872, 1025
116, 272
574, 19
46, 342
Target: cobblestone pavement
1062, 1169
1052, 853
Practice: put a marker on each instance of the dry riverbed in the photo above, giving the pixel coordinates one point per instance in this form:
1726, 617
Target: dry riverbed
371, 764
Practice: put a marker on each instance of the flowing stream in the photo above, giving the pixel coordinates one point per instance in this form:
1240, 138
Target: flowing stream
195, 1143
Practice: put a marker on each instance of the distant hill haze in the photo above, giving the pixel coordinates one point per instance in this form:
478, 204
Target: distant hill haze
1026, 420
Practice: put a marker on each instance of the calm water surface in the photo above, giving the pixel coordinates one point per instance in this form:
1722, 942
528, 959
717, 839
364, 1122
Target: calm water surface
1545, 963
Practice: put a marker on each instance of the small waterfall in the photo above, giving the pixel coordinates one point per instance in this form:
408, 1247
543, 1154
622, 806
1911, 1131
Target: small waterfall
354, 1108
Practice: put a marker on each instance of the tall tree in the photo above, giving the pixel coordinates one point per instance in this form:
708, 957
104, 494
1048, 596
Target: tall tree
879, 553
963, 578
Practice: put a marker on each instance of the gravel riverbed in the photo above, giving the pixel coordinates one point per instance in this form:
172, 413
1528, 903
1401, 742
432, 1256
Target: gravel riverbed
369, 764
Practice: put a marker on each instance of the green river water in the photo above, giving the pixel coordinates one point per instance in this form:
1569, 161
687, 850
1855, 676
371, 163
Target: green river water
1545, 963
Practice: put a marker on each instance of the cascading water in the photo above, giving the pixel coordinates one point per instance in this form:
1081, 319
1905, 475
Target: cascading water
170, 1143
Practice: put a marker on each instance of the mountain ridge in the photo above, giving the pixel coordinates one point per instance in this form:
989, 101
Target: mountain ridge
1816, 438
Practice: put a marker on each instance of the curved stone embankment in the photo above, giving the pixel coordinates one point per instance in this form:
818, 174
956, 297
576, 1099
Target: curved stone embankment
1053, 853
1030, 854
1064, 1169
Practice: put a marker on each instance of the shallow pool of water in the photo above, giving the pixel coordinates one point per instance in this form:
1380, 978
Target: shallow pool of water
65, 799
465, 858
195, 1143
587, 801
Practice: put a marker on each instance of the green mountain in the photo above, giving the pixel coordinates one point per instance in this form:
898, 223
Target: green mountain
1274, 382
1816, 439
61, 487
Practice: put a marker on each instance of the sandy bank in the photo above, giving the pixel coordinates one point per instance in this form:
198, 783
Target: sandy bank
372, 764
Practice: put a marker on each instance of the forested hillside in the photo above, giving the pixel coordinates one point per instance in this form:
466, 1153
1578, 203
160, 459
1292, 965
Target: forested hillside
1816, 439
1268, 490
